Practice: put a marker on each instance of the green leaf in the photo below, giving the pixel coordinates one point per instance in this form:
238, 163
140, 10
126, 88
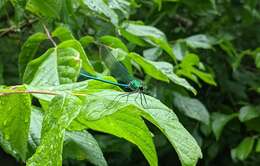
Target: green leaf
101, 7
35, 129
15, 110
167, 69
199, 41
192, 108
47, 8
146, 33
56, 66
122, 5
242, 151
189, 70
149, 67
77, 145
257, 59
63, 33
185, 145
128, 125
86, 40
152, 53
257, 149
113, 42
160, 70
249, 112
62, 110
83, 56
179, 50
29, 50
83, 146
1, 72
219, 121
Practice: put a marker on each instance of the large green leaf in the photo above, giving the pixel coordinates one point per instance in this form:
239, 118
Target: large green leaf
86, 65
242, 151
15, 110
101, 7
99, 106
192, 108
48, 8
29, 50
146, 33
62, 110
219, 121
126, 124
56, 66
79, 145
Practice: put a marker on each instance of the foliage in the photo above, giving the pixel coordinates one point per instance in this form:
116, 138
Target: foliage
198, 60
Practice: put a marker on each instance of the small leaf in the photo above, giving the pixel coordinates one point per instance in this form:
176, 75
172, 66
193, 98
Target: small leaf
257, 149
101, 7
249, 112
1, 72
113, 42
29, 50
35, 129
83, 146
149, 67
179, 50
199, 41
62, 110
167, 69
257, 59
219, 121
15, 110
47, 8
86, 40
121, 5
192, 108
152, 53
63, 33
242, 151
189, 70
83, 56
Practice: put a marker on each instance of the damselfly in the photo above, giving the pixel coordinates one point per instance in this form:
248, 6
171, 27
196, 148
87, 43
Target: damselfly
119, 71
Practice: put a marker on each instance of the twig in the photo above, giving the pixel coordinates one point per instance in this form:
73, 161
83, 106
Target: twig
49, 35
44, 92
4, 31
28, 92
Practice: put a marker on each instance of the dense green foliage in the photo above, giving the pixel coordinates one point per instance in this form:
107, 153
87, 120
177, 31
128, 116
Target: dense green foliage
199, 60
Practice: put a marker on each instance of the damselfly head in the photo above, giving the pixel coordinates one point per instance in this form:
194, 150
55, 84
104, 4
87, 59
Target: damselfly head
136, 85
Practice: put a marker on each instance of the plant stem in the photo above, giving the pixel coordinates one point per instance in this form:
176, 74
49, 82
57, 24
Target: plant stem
28, 92
44, 92
49, 35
